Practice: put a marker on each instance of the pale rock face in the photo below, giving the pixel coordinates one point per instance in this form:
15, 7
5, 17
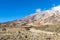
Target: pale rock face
48, 16
43, 17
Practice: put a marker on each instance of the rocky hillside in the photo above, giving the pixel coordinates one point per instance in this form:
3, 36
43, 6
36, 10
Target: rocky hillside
44, 17
47, 17
41, 25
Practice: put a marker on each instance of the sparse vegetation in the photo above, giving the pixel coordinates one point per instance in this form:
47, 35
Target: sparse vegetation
45, 26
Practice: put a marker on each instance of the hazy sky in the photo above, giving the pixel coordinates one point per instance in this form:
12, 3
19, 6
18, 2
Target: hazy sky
16, 9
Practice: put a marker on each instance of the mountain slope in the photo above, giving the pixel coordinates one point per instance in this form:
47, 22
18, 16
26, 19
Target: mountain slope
47, 17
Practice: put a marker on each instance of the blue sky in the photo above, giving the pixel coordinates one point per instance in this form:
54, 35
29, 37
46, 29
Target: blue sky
16, 9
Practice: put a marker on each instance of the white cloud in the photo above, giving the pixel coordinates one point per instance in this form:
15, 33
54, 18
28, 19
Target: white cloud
38, 10
56, 8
